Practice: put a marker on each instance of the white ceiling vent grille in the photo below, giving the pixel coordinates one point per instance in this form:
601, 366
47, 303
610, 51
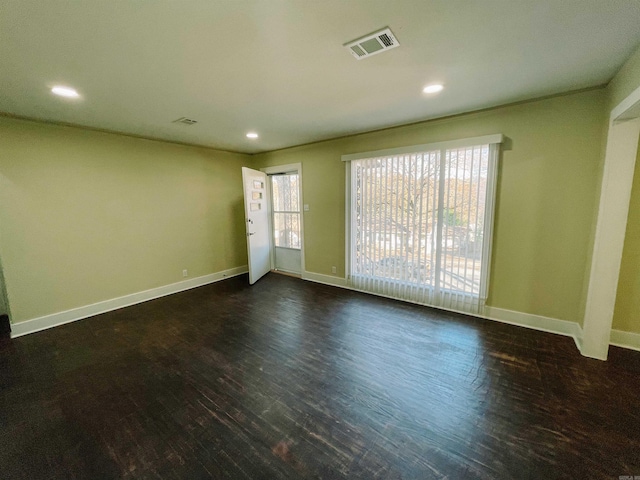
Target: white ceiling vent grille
185, 121
372, 44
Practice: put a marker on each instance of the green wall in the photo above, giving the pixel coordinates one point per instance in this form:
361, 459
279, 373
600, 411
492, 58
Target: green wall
627, 311
547, 192
87, 216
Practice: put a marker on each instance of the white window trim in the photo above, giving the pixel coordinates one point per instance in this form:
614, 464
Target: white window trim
280, 169
493, 141
460, 143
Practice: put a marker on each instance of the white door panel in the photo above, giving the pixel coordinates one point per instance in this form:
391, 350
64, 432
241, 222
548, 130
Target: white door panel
257, 223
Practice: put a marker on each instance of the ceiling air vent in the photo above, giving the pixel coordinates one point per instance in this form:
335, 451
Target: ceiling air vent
372, 44
185, 121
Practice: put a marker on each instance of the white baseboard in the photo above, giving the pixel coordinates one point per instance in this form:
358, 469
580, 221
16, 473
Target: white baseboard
42, 323
535, 322
578, 338
325, 279
623, 339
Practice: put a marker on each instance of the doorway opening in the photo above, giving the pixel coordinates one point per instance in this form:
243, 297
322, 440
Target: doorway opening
611, 226
285, 219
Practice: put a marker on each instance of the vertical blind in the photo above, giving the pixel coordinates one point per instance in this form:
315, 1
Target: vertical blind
421, 222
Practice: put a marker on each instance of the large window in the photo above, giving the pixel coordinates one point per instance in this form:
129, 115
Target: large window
420, 222
286, 210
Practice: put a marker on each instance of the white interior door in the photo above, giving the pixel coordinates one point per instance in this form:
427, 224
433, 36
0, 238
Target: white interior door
257, 222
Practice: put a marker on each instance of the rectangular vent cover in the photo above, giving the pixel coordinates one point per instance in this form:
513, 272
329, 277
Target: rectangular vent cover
372, 44
185, 121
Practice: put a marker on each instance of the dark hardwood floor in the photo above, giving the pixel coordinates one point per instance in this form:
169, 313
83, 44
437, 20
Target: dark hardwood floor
290, 379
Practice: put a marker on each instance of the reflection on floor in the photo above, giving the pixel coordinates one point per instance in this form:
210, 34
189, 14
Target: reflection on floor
291, 379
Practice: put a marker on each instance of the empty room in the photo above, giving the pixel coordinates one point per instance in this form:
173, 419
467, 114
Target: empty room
282, 239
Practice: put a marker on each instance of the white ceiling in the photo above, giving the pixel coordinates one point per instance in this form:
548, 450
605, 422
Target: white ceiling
278, 66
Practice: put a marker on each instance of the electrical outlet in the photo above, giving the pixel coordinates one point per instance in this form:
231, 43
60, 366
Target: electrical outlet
333, 270
185, 273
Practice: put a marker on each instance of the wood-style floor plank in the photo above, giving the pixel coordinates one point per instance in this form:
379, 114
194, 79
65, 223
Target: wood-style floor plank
291, 379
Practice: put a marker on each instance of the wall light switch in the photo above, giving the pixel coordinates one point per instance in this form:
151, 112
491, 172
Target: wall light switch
306, 207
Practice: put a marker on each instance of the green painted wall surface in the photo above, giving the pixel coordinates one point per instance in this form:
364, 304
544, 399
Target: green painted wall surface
88, 216
547, 191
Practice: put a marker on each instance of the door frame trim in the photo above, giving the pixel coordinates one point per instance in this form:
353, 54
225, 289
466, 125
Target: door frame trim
280, 169
611, 225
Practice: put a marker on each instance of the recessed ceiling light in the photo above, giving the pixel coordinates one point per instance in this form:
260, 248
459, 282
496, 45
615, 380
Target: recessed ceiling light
435, 88
252, 135
65, 91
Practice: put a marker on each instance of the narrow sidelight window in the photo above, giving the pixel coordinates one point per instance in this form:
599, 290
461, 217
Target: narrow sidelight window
286, 210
